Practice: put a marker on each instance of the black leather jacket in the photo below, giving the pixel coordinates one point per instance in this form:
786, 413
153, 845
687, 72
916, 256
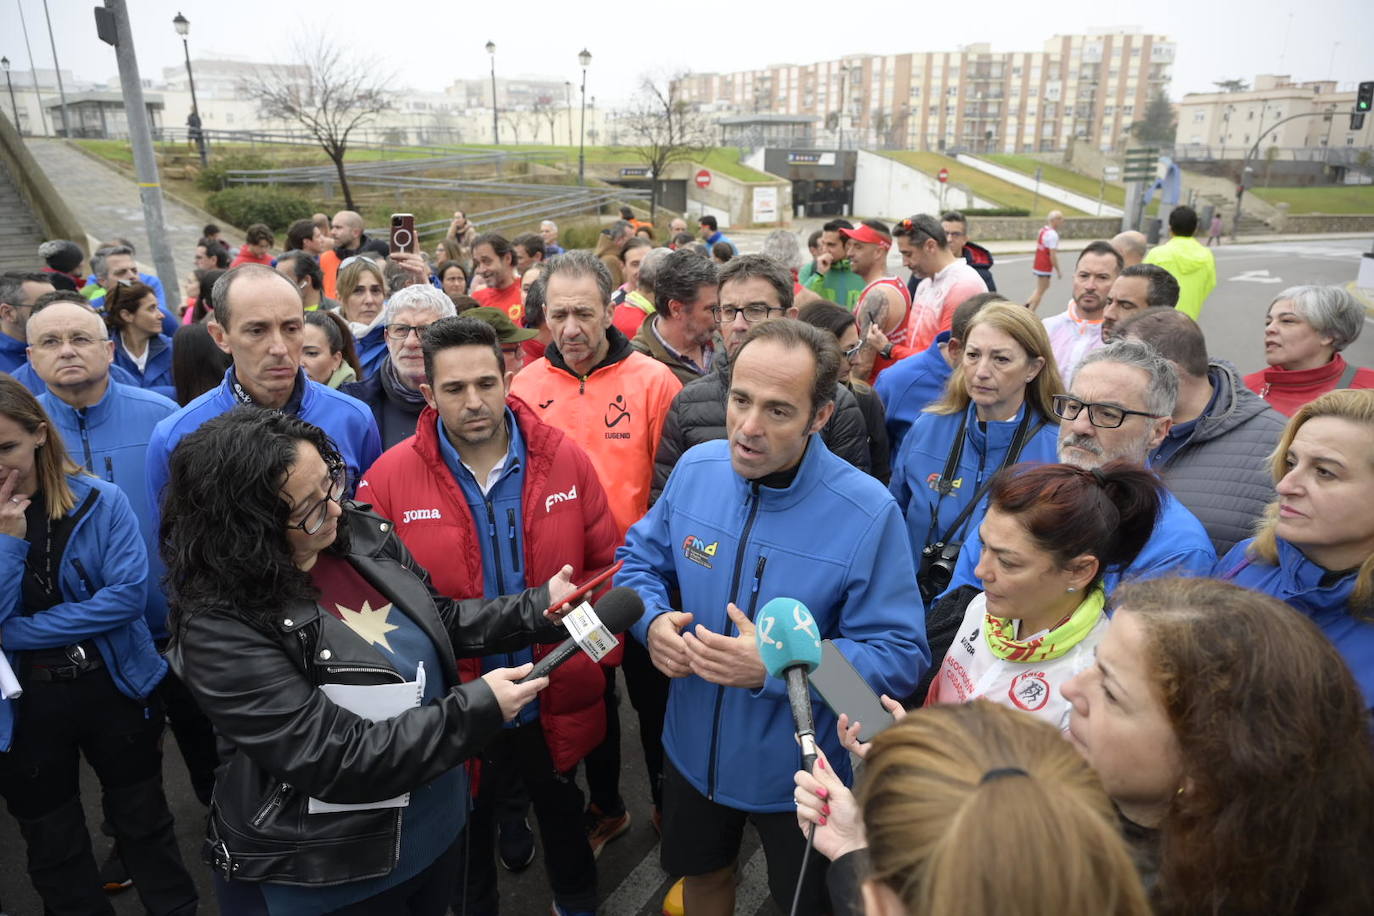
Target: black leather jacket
283, 742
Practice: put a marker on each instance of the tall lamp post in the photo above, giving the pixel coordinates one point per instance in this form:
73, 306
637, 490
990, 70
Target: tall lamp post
585, 59
495, 132
14, 106
183, 26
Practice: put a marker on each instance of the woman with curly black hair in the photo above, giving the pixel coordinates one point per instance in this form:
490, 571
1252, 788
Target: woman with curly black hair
284, 599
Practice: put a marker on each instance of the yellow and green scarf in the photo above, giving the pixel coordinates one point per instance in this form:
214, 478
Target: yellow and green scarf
1060, 638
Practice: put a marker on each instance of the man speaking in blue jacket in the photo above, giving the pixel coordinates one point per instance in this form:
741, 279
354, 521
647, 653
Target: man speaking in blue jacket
767, 512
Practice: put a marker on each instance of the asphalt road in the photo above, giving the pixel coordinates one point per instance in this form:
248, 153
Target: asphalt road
631, 882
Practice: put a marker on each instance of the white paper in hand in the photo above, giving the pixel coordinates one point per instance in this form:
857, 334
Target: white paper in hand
376, 702
9, 684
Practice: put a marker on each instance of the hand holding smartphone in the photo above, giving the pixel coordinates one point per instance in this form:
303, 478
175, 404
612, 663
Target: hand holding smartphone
403, 234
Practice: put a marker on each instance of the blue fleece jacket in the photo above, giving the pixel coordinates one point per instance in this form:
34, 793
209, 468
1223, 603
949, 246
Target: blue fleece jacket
103, 576
1178, 546
834, 540
157, 374
910, 385
13, 353
926, 450
1299, 582
348, 422
110, 440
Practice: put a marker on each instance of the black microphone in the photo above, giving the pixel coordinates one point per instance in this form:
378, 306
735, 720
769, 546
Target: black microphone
618, 610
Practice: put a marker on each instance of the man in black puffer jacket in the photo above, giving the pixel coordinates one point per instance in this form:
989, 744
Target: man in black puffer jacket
753, 288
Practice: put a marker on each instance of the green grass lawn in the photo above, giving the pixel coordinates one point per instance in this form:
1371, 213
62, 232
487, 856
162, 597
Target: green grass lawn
980, 183
1067, 179
1330, 199
721, 159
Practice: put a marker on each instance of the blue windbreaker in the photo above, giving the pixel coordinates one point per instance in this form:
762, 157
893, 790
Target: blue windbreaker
13, 353
103, 575
909, 386
1298, 581
348, 422
371, 351
926, 450
110, 440
833, 540
157, 376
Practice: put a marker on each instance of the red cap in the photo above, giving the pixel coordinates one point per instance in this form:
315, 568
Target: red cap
868, 234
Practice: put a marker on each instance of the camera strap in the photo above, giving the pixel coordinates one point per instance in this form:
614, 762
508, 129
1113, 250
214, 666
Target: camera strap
1019, 439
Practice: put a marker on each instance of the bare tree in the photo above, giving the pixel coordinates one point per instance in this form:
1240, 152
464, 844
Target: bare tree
545, 106
329, 91
666, 129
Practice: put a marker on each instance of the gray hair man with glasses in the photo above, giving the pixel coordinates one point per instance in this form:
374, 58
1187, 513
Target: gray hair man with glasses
392, 391
753, 288
1119, 407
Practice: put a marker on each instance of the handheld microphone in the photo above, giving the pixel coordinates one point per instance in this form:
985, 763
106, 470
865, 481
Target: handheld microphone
789, 643
617, 612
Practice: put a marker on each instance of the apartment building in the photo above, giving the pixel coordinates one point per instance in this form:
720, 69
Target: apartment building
1229, 123
1091, 86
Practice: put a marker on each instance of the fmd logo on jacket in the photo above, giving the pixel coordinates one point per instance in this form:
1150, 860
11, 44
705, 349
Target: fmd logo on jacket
554, 499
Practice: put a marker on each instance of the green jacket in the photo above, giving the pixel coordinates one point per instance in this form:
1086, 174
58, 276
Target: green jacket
840, 285
1192, 266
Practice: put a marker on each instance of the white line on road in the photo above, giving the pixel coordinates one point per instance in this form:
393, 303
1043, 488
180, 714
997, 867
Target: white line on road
637, 888
752, 892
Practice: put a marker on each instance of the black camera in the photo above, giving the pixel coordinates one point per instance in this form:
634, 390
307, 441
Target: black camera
937, 568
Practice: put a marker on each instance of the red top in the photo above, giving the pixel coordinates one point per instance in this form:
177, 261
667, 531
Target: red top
246, 256
1287, 390
506, 299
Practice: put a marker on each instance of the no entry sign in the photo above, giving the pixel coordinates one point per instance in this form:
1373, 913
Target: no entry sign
703, 179
943, 175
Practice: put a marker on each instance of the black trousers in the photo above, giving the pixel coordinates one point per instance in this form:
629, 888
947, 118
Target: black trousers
648, 690
557, 803
57, 722
195, 736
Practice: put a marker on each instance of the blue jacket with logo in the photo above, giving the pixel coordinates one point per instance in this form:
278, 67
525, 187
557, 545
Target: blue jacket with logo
1298, 581
157, 374
110, 440
103, 575
348, 422
833, 540
910, 385
926, 450
1178, 546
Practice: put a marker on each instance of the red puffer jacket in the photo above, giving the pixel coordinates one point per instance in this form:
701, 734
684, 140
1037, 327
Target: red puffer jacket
411, 485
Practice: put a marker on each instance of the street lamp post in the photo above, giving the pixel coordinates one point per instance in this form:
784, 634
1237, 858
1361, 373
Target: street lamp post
14, 106
585, 59
183, 27
495, 131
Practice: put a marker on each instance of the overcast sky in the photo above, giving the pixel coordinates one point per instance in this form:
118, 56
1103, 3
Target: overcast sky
429, 44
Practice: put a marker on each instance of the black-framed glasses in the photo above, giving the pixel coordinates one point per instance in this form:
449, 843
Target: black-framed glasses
402, 331
315, 516
1103, 416
724, 314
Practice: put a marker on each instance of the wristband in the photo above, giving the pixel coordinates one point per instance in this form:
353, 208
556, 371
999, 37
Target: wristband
886, 352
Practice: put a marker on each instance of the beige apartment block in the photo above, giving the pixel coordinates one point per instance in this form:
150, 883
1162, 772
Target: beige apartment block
1091, 87
1234, 121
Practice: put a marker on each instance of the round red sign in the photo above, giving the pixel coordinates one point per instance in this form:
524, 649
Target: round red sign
943, 175
703, 179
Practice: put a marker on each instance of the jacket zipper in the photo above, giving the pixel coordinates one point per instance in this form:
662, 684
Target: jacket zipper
366, 669
109, 469
273, 802
85, 440
495, 548
514, 541
734, 594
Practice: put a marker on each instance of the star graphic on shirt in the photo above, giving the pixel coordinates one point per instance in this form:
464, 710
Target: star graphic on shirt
369, 623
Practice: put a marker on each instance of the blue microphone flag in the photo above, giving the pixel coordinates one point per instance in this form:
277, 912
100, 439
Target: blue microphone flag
787, 636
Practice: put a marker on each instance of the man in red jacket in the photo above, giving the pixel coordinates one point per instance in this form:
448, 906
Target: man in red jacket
487, 496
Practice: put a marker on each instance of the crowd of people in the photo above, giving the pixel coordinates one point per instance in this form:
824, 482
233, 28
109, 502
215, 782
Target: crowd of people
320, 518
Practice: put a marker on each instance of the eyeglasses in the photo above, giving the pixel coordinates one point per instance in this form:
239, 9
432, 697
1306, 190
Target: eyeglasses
314, 518
1103, 416
724, 314
80, 341
853, 351
402, 331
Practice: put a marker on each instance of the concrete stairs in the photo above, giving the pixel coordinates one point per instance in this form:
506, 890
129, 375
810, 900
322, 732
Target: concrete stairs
20, 232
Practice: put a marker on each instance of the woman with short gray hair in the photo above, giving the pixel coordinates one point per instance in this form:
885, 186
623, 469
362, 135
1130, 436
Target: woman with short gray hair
1305, 330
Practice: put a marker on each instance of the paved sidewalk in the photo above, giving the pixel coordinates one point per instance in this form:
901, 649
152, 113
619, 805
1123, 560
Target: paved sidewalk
107, 203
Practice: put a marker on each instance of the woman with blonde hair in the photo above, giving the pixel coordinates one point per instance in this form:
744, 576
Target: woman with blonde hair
1314, 548
362, 295
997, 409
970, 810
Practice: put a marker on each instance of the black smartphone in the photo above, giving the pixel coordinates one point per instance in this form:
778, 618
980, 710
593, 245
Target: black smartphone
844, 691
403, 233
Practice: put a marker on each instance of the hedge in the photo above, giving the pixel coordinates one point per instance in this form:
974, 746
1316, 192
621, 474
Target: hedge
246, 206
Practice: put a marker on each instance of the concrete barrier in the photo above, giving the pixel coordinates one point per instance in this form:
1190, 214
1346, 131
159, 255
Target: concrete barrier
53, 214
889, 189
1304, 223
1010, 228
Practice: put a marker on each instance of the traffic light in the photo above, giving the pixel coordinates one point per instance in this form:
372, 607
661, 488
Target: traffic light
1356, 120
1364, 98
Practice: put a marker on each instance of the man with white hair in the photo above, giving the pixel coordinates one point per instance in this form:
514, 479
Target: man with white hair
393, 389
548, 231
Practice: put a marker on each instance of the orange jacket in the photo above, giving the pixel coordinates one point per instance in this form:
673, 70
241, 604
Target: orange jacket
329, 266
615, 413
